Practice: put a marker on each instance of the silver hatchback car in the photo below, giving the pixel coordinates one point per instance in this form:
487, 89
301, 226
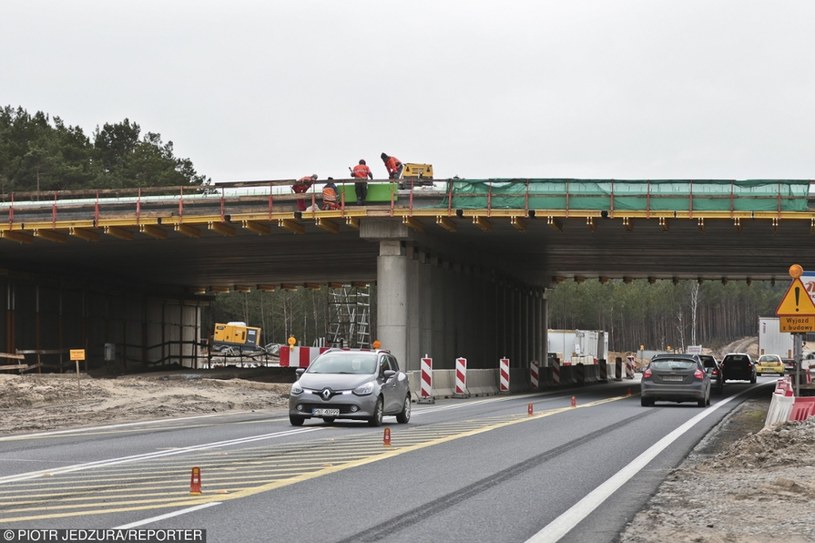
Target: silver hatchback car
675, 378
350, 384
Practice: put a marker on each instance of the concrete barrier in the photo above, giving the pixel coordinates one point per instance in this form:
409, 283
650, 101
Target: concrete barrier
483, 382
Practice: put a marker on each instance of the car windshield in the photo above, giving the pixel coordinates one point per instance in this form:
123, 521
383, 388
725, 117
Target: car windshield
735, 359
357, 363
673, 364
768, 358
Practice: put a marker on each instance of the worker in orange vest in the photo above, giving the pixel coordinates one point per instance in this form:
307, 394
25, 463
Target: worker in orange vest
330, 194
361, 171
301, 186
393, 165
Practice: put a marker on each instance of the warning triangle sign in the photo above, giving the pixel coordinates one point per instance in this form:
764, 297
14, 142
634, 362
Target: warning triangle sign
796, 302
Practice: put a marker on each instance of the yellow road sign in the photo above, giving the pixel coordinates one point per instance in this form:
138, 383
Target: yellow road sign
796, 302
77, 354
797, 325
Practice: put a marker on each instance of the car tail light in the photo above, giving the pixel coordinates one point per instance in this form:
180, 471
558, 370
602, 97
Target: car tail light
715, 372
699, 374
647, 373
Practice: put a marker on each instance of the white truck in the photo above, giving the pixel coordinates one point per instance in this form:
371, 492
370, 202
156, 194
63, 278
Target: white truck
578, 346
771, 340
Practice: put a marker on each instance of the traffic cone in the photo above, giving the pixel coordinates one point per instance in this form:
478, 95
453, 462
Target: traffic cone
195, 481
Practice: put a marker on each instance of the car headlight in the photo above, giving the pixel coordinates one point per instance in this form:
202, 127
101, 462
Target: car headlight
296, 388
365, 389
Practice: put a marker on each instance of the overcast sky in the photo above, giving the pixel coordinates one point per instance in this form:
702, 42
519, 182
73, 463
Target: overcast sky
277, 89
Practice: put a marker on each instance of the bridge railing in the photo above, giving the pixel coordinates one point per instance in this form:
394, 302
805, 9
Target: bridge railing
454, 194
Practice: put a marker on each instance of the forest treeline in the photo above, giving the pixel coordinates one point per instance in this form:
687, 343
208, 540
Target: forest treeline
39, 153
658, 315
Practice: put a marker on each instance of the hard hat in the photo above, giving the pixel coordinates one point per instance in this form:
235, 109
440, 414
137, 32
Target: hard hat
314, 176
362, 161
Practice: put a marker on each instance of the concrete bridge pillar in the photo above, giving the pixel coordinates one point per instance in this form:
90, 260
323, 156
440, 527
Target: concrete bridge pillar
392, 299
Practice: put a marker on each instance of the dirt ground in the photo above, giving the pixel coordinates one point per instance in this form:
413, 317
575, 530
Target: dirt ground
32, 403
742, 484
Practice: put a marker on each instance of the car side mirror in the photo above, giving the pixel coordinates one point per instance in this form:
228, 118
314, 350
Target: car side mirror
300, 371
387, 374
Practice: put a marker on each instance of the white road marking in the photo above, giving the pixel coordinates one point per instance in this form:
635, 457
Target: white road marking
563, 524
19, 437
166, 516
151, 455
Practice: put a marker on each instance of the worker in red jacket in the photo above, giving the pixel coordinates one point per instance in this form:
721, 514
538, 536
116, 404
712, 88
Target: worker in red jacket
301, 186
393, 165
361, 171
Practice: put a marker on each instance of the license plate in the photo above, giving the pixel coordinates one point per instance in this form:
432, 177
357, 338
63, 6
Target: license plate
673, 378
323, 412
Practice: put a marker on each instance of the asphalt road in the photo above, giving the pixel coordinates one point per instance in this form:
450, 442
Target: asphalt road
480, 469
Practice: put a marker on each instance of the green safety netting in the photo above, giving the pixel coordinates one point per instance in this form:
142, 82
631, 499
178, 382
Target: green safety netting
633, 195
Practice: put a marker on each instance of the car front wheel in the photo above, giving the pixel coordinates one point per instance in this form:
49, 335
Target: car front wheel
376, 419
296, 421
404, 416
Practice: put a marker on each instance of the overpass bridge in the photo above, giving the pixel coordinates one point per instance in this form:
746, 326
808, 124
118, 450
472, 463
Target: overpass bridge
461, 267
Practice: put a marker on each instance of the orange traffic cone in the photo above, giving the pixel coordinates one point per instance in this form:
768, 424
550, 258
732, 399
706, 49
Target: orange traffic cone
195, 481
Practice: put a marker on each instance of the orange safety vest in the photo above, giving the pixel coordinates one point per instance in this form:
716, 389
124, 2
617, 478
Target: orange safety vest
361, 171
392, 164
302, 185
329, 194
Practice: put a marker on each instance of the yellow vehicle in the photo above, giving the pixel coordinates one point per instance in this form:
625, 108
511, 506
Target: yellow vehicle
417, 171
235, 334
769, 363
416, 175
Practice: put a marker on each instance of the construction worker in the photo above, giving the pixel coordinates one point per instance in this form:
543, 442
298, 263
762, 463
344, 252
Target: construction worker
361, 171
330, 194
301, 186
393, 165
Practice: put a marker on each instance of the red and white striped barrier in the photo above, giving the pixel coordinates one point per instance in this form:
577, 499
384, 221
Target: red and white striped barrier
534, 375
555, 372
299, 357
629, 367
461, 378
503, 375
426, 381
783, 387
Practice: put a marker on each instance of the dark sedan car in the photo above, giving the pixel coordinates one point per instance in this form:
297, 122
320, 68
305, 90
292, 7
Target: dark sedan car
675, 378
714, 369
738, 367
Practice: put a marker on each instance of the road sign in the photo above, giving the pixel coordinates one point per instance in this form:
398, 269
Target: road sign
797, 325
796, 302
77, 354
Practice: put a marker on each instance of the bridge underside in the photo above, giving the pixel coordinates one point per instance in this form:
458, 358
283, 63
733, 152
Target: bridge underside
537, 251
